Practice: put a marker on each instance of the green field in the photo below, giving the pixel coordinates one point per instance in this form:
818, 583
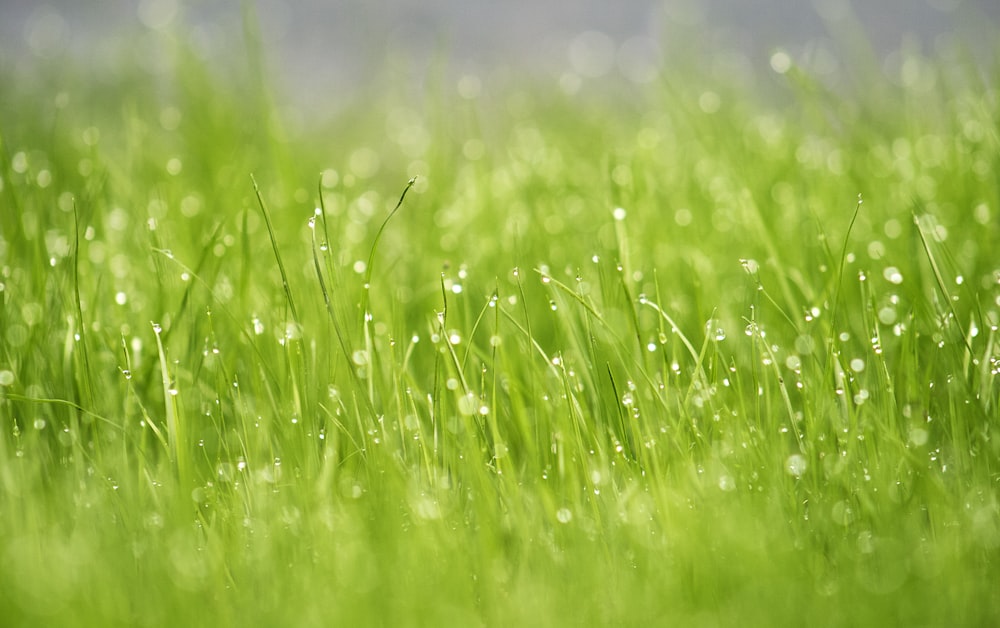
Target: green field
715, 350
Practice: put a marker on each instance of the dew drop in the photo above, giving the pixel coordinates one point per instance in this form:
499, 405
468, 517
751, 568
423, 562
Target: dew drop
892, 275
795, 465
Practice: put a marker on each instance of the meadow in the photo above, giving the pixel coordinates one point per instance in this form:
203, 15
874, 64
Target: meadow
716, 349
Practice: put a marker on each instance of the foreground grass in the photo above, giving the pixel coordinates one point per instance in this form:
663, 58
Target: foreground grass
609, 363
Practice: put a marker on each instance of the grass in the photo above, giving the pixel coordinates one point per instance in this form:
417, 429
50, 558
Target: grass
692, 356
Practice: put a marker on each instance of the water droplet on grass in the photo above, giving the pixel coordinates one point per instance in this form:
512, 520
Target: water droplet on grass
892, 275
564, 515
795, 465
918, 437
468, 404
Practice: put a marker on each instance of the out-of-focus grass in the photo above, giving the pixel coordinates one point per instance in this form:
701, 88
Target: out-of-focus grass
615, 361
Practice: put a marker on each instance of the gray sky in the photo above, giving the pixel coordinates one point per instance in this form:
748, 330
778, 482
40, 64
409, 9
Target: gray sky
330, 46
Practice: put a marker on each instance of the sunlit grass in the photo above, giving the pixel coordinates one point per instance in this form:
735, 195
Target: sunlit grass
694, 357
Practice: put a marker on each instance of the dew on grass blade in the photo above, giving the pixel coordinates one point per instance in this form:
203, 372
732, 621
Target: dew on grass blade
715, 330
468, 404
795, 465
360, 357
726, 483
564, 515
892, 275
6, 377
918, 437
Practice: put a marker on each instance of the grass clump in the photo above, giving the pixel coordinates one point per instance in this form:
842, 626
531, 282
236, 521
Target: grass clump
617, 363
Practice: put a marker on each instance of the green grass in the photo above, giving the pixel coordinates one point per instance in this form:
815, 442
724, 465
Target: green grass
749, 398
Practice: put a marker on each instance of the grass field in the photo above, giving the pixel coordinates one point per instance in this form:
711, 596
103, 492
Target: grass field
702, 352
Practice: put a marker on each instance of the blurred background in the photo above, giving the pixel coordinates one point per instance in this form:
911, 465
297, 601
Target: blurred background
319, 50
